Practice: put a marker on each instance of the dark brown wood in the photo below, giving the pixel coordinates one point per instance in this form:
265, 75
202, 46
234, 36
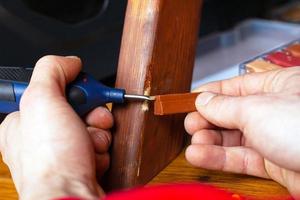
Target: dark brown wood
175, 103
157, 57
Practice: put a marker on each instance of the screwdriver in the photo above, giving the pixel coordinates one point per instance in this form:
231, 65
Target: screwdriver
84, 94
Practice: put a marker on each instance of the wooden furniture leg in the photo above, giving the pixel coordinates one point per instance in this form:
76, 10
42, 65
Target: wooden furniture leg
157, 57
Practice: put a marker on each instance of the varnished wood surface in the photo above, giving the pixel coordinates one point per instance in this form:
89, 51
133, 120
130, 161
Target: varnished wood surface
157, 57
7, 188
252, 187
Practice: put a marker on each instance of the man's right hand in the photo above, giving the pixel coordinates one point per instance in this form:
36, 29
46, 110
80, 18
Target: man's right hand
250, 125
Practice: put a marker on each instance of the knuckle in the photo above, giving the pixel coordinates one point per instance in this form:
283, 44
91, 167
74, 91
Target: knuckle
12, 116
218, 103
108, 137
49, 59
30, 92
104, 137
50, 62
245, 164
197, 138
33, 94
188, 123
10, 120
50, 67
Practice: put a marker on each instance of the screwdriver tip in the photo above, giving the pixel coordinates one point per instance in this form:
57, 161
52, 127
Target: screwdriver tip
139, 97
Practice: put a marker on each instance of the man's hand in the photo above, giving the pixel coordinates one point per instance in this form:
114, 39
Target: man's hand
50, 151
249, 125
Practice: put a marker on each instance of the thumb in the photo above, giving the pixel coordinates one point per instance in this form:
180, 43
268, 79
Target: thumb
56, 71
222, 110
52, 73
49, 79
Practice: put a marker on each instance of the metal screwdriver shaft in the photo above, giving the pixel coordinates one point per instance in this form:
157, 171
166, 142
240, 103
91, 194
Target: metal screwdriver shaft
139, 97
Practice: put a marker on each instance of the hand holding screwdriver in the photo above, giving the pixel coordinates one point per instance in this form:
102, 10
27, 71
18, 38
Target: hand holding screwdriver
84, 94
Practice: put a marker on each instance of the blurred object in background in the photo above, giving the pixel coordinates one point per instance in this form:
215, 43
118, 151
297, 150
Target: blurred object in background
220, 15
288, 13
68, 11
90, 29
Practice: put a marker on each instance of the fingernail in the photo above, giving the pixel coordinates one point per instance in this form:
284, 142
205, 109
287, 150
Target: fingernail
73, 57
204, 98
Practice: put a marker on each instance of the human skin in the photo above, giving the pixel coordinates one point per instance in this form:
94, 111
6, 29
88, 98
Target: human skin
249, 125
50, 151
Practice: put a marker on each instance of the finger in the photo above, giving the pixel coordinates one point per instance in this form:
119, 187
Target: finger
194, 122
249, 84
52, 72
208, 137
228, 111
49, 78
229, 159
285, 177
102, 163
100, 118
231, 138
101, 139
227, 138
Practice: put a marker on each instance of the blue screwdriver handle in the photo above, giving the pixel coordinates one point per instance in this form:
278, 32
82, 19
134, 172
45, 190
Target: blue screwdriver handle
84, 94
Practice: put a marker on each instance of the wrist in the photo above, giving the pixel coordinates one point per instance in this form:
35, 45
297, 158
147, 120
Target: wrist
52, 186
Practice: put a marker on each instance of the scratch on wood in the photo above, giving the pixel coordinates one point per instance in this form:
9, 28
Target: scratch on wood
145, 105
138, 171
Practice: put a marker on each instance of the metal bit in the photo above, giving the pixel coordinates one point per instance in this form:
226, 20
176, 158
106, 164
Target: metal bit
139, 97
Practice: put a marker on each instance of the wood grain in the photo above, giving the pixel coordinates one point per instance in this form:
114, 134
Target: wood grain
255, 188
157, 57
175, 103
7, 188
4, 172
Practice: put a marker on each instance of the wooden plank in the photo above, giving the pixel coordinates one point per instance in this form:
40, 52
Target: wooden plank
7, 189
175, 103
256, 188
4, 171
157, 57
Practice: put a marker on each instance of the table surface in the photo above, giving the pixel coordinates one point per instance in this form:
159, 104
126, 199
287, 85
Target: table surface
180, 171
248, 186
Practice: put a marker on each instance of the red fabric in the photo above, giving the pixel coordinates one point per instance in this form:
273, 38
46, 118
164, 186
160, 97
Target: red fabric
174, 192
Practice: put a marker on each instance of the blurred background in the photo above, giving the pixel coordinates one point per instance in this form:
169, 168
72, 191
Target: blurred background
92, 29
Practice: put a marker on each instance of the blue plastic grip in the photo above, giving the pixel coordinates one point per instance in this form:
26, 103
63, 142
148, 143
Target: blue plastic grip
96, 94
87, 94
8, 106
